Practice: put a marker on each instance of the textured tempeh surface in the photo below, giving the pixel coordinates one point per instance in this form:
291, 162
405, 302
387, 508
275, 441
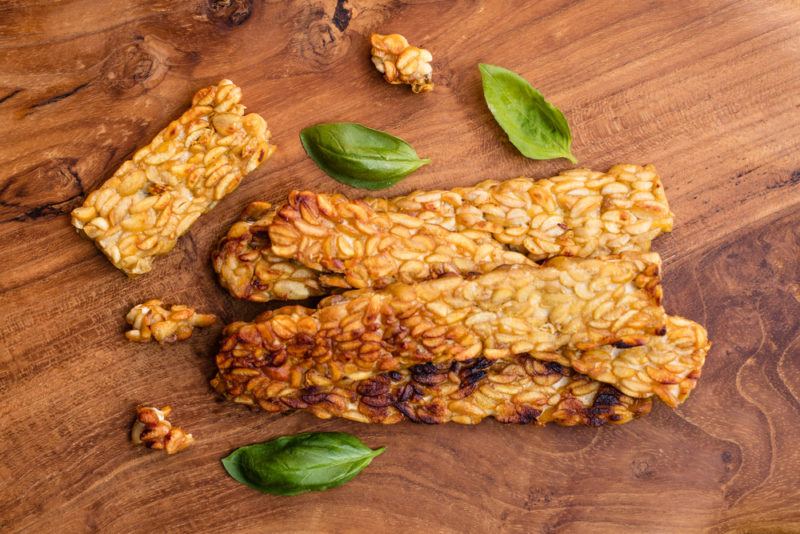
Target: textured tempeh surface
707, 91
333, 234
579, 213
249, 373
151, 320
567, 303
520, 390
154, 197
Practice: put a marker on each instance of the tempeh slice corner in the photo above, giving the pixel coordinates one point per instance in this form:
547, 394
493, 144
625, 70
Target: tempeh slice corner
578, 213
521, 390
249, 270
667, 366
154, 197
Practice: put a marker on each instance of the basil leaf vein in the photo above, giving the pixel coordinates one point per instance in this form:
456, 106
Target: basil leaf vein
536, 127
290, 465
359, 156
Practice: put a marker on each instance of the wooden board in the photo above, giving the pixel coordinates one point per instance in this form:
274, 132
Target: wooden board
708, 91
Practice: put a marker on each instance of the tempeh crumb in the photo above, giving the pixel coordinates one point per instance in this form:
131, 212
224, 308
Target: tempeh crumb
399, 62
153, 430
151, 320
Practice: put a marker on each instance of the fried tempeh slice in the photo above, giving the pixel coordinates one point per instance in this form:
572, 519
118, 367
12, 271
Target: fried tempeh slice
154, 197
666, 366
567, 303
521, 390
333, 234
578, 213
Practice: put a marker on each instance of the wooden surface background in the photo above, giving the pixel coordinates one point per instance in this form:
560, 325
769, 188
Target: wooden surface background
708, 91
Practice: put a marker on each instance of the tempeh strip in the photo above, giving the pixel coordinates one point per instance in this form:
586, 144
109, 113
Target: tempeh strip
154, 197
333, 234
567, 303
578, 213
521, 390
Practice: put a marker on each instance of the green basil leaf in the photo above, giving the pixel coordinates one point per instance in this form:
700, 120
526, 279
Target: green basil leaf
288, 465
359, 156
536, 127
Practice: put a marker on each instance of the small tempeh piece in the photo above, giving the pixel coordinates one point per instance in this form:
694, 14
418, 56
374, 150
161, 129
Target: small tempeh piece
521, 390
578, 213
567, 303
399, 62
153, 430
150, 320
334, 234
153, 198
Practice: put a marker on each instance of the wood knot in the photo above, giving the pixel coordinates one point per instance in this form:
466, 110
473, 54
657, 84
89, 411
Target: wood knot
135, 67
47, 190
537, 497
230, 13
320, 36
642, 470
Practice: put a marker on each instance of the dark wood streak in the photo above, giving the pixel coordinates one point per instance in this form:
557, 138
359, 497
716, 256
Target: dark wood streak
10, 95
688, 86
341, 15
58, 97
791, 180
45, 210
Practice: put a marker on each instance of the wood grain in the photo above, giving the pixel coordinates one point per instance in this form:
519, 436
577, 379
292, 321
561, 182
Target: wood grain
708, 91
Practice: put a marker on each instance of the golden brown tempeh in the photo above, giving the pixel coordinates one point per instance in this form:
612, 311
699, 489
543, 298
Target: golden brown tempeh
153, 430
567, 303
521, 390
577, 213
153, 198
150, 320
248, 268
399, 62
